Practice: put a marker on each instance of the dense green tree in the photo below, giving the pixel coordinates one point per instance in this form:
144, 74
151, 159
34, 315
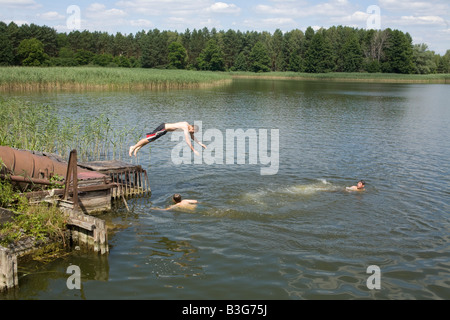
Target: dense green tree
177, 55
423, 59
211, 58
6, 48
103, 60
83, 57
309, 35
232, 46
292, 50
352, 57
65, 58
339, 48
241, 63
259, 58
148, 57
398, 53
277, 61
31, 52
319, 57
198, 40
154, 47
443, 64
122, 61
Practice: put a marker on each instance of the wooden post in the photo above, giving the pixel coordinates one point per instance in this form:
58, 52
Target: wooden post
8, 269
72, 174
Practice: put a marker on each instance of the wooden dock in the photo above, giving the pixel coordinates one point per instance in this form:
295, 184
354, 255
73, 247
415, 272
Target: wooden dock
131, 180
89, 188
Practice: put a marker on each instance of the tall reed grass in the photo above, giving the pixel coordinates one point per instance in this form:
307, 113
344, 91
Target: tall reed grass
342, 76
38, 127
92, 78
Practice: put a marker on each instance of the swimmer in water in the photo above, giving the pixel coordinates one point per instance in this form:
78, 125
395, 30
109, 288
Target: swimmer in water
359, 187
180, 203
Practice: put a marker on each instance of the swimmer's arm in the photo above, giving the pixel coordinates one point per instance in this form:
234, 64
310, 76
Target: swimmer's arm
195, 139
169, 208
160, 209
188, 141
192, 201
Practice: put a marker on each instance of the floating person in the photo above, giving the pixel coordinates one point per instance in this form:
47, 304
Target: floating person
181, 203
188, 129
359, 187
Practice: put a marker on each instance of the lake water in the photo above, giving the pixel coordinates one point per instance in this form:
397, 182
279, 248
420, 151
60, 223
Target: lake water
296, 234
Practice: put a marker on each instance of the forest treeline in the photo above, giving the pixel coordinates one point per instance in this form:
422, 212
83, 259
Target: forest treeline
336, 49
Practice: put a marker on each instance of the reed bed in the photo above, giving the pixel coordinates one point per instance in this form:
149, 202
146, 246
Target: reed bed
38, 127
98, 78
348, 77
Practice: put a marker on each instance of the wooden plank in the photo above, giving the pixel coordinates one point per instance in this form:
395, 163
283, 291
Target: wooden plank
106, 165
82, 224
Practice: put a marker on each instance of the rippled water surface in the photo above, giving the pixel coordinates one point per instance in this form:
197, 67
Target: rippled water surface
297, 234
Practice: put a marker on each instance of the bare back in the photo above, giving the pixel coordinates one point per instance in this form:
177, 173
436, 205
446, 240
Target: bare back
177, 126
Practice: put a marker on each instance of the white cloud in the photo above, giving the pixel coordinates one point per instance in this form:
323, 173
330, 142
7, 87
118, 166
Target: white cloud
165, 7
222, 7
278, 21
25, 4
99, 11
141, 23
417, 7
301, 9
270, 24
51, 15
425, 20
356, 19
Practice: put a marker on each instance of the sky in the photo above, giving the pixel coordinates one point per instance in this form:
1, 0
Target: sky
427, 21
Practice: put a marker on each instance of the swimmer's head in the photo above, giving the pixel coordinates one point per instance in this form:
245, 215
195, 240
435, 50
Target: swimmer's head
193, 128
361, 184
176, 198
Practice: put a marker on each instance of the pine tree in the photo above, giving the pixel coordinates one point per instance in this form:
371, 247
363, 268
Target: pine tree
6, 49
398, 53
319, 57
352, 55
259, 58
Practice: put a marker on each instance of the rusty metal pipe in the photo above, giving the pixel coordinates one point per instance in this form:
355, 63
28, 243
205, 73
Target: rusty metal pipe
21, 162
25, 163
29, 180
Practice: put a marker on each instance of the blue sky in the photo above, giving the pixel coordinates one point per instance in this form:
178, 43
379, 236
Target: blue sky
427, 21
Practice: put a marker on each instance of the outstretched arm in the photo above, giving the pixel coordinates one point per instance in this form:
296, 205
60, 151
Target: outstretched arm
169, 208
188, 141
195, 139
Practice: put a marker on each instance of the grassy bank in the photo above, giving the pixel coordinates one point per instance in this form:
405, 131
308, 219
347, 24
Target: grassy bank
92, 78
43, 223
349, 77
99, 78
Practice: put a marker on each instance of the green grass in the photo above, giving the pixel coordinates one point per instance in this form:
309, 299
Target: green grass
99, 78
36, 78
43, 222
341, 76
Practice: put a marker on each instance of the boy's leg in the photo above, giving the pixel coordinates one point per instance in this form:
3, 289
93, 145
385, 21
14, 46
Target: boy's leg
138, 146
157, 133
